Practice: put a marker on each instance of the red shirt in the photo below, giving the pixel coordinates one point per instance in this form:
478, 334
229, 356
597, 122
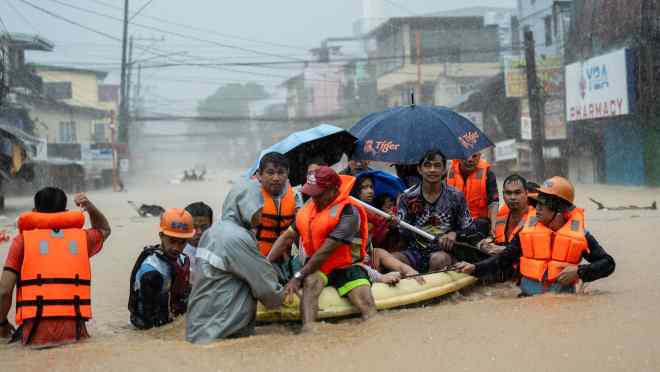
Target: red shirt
51, 331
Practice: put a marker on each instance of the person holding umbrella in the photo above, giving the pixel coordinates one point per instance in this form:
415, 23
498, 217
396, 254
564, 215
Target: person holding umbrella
437, 209
474, 177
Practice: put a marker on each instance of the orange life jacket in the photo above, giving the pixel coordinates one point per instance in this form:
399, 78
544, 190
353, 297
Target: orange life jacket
474, 189
274, 221
55, 279
500, 225
545, 253
314, 226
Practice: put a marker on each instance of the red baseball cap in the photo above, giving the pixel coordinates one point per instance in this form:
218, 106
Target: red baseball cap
321, 180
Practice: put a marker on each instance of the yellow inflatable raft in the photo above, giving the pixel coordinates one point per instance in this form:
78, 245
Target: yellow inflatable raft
407, 292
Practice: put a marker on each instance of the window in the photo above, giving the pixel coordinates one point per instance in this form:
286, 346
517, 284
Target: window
108, 93
99, 133
58, 90
548, 30
68, 132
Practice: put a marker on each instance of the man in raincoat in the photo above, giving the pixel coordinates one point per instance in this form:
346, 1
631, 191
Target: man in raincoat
232, 275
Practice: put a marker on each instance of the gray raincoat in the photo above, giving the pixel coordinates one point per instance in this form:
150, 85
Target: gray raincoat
232, 274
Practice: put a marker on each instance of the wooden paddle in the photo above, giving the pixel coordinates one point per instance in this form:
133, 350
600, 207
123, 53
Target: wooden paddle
408, 226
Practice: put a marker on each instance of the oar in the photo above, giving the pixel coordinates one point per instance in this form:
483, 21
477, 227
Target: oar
408, 226
446, 269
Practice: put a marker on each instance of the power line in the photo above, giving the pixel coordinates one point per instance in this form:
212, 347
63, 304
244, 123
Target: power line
116, 38
162, 20
173, 33
4, 27
11, 5
54, 15
215, 66
140, 10
165, 117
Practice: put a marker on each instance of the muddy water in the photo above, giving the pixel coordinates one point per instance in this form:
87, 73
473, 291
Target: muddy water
613, 327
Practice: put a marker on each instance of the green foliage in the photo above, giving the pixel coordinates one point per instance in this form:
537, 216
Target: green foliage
232, 100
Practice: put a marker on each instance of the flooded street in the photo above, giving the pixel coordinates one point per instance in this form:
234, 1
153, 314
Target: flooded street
613, 327
180, 99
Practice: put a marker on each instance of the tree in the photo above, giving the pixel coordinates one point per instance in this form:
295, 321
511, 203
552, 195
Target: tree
232, 100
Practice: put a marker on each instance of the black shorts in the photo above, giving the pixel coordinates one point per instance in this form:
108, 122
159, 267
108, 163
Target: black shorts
346, 279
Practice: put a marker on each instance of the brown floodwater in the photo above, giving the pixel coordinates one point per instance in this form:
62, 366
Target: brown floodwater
614, 326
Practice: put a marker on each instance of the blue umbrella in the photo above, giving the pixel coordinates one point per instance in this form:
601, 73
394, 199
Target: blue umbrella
325, 141
402, 135
384, 183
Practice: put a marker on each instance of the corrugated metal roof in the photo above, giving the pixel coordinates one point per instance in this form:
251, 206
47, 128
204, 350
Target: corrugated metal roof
28, 42
99, 74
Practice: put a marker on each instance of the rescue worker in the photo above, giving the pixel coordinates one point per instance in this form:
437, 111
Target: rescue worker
202, 216
511, 216
159, 284
232, 275
281, 202
477, 181
48, 262
334, 235
551, 246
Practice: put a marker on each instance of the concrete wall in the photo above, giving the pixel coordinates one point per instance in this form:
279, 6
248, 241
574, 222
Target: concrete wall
84, 86
48, 121
84, 89
532, 13
326, 83
393, 84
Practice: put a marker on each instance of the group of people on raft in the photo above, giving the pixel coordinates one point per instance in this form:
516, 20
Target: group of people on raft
272, 241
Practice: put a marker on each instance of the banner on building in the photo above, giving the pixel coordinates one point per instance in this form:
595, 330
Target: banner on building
555, 125
506, 150
548, 70
477, 118
526, 128
599, 87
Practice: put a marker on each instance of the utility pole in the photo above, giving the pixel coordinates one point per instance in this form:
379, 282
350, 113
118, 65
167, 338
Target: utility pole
138, 89
418, 46
123, 108
535, 108
122, 131
129, 75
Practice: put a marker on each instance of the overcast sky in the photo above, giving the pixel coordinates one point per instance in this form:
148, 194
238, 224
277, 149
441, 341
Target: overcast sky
263, 28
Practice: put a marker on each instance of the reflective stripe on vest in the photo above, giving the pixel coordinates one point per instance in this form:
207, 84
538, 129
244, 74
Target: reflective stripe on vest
501, 225
474, 189
315, 226
55, 276
274, 221
546, 253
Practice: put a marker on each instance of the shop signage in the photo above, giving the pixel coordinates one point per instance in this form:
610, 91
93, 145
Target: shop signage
549, 74
599, 87
506, 150
526, 128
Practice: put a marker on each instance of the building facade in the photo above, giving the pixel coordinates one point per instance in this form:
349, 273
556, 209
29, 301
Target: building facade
452, 50
612, 96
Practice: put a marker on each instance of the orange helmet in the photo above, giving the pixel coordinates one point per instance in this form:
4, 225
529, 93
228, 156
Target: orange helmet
559, 187
177, 223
